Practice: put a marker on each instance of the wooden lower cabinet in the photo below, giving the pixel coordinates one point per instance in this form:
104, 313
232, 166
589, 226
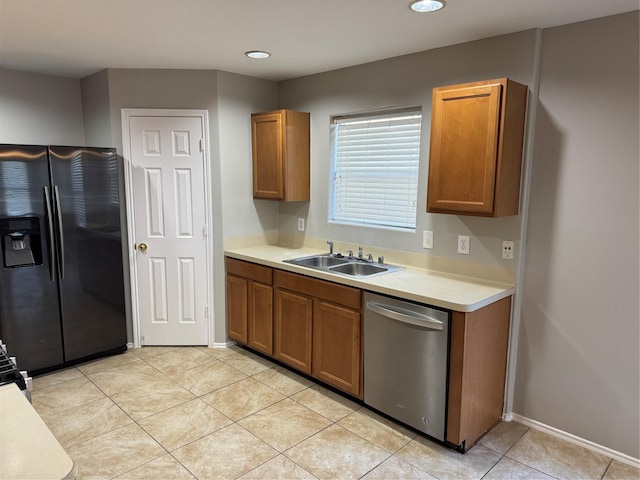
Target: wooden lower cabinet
250, 304
336, 346
318, 325
311, 325
260, 321
293, 317
477, 370
237, 308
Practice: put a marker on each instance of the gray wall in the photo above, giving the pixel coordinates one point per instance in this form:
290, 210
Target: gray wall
96, 109
229, 100
578, 360
240, 96
398, 82
40, 109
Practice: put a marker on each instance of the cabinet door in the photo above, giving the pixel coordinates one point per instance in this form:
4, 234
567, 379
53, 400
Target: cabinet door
336, 346
237, 308
464, 149
261, 317
293, 315
267, 142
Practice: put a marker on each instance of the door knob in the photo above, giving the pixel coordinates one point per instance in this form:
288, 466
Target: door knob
142, 247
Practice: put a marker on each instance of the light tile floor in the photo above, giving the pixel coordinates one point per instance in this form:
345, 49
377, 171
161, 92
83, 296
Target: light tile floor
167, 413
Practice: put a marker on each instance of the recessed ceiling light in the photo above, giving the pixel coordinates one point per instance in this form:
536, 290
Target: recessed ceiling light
257, 54
422, 6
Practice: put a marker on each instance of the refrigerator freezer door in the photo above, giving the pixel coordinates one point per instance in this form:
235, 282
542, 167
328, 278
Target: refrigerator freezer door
29, 309
87, 211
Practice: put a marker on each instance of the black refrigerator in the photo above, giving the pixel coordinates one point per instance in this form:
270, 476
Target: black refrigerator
61, 275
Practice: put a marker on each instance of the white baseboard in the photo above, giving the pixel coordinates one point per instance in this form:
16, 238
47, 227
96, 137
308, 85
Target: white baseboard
222, 344
129, 345
594, 447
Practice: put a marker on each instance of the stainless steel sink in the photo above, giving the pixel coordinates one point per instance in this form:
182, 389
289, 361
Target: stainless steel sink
359, 269
346, 266
319, 261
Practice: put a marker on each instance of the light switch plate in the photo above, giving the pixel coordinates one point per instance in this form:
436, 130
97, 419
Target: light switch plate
301, 224
427, 239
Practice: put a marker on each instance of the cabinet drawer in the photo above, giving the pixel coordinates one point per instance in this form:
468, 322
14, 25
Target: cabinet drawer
252, 271
339, 294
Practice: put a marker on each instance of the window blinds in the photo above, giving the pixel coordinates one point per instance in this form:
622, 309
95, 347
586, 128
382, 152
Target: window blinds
375, 169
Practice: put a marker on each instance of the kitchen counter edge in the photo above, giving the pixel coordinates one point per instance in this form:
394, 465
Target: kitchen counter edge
453, 292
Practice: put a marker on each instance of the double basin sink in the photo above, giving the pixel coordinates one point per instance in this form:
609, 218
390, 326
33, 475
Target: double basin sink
346, 266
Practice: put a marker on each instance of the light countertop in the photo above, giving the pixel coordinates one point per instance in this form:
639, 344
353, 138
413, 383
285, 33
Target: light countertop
28, 449
446, 290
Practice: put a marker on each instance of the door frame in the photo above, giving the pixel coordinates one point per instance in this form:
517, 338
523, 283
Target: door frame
203, 115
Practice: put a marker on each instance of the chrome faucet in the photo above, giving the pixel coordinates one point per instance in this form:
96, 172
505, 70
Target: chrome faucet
330, 243
350, 253
359, 251
369, 257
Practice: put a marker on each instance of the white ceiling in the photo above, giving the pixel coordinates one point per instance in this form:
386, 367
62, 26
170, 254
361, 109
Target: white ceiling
75, 38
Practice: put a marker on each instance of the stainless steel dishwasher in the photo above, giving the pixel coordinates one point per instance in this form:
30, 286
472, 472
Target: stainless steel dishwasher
406, 362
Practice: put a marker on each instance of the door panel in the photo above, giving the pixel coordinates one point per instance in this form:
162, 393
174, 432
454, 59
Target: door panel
261, 317
336, 346
237, 289
169, 219
464, 148
293, 320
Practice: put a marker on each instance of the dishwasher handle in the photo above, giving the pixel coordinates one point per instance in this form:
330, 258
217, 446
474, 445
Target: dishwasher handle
406, 316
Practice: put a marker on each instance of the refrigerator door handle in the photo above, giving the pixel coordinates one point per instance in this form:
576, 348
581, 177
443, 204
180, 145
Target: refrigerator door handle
52, 251
56, 195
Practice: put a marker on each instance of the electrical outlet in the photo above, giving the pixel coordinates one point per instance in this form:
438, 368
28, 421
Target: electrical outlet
427, 239
507, 249
463, 244
301, 224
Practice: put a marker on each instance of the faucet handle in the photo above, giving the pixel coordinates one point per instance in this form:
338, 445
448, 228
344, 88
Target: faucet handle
380, 259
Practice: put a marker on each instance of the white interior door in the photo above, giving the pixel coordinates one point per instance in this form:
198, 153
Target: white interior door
170, 232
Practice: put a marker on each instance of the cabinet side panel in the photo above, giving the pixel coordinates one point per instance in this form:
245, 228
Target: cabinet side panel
297, 157
456, 368
510, 154
486, 340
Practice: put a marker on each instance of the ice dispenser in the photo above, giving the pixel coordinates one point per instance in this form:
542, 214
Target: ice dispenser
21, 246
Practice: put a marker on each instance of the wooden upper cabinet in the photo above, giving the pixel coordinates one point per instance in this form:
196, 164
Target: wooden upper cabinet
280, 142
475, 158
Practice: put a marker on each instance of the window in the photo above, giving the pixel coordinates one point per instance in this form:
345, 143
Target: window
374, 175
